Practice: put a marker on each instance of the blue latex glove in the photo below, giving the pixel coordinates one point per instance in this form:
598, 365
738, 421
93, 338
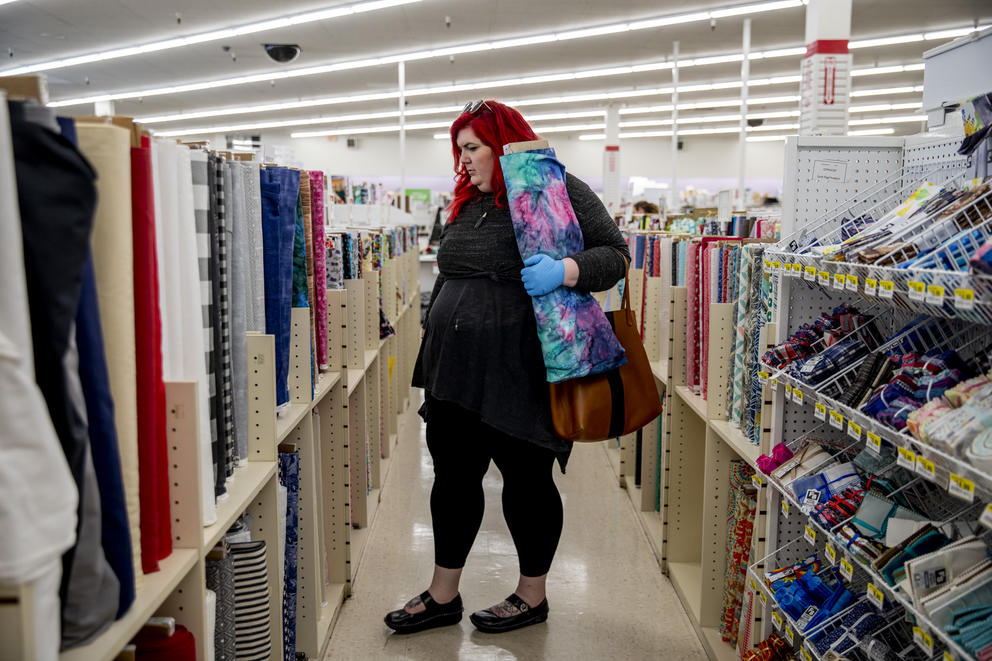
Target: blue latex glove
542, 274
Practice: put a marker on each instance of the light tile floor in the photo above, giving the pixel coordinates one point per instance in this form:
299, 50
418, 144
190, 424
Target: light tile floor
608, 598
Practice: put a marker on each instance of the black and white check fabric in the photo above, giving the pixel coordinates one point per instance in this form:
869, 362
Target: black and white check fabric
223, 239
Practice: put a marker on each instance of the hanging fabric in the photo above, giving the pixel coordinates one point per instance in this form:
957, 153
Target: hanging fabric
320, 264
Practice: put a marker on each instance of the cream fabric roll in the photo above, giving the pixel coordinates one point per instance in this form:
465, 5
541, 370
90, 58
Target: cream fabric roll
108, 149
191, 331
210, 632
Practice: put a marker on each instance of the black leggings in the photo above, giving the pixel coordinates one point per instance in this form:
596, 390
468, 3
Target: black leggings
462, 446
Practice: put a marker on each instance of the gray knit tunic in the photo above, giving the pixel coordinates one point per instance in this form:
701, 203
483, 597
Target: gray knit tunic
480, 348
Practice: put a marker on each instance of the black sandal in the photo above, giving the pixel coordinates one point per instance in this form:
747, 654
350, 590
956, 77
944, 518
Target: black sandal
489, 622
434, 615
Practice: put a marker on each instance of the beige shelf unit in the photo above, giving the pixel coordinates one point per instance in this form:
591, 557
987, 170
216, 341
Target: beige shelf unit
365, 388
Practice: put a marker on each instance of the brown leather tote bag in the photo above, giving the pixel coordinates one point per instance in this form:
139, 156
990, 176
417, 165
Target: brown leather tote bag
614, 403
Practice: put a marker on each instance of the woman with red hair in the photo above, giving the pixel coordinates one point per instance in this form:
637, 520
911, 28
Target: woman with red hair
481, 366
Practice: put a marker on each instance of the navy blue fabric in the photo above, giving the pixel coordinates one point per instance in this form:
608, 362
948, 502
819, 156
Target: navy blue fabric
289, 477
116, 533
280, 190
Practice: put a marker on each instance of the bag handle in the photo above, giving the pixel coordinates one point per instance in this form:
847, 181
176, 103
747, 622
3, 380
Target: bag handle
625, 304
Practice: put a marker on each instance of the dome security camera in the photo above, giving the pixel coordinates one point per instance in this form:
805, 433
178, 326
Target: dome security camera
282, 53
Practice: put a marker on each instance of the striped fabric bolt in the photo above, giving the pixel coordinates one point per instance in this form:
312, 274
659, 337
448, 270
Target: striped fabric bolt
201, 209
223, 264
251, 602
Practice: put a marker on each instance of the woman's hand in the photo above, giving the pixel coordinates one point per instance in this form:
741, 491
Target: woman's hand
543, 274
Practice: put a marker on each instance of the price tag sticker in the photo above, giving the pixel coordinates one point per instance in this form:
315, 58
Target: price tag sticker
820, 412
788, 392
846, 569
785, 506
875, 596
839, 280
917, 290
871, 286
754, 585
948, 656
852, 283
961, 487
777, 620
935, 295
763, 378
854, 430
875, 443
926, 468
767, 268
831, 553
773, 384
964, 299
764, 599
986, 518
790, 635
906, 459
756, 481
836, 419
886, 289
776, 265
797, 396
810, 275
923, 640
810, 535
797, 270
806, 655
824, 279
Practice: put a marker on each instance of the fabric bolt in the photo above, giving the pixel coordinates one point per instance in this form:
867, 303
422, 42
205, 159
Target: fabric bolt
55, 229
153, 457
225, 384
220, 579
692, 315
255, 250
238, 253
150, 645
208, 295
320, 264
741, 337
108, 149
751, 419
251, 602
335, 261
210, 630
740, 524
289, 476
301, 286
219, 439
279, 194
575, 335
184, 252
306, 204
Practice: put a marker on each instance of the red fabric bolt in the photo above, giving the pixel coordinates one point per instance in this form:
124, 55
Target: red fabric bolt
150, 645
153, 460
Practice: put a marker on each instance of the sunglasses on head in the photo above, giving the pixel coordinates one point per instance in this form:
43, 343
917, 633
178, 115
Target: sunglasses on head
473, 107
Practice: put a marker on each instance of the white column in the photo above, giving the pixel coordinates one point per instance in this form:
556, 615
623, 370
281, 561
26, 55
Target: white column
674, 199
611, 160
402, 80
826, 69
745, 75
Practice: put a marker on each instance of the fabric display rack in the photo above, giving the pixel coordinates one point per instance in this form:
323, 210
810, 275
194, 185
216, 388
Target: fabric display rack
250, 378
818, 486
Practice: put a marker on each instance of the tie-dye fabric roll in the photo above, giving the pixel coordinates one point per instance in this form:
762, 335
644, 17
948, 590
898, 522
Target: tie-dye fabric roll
575, 336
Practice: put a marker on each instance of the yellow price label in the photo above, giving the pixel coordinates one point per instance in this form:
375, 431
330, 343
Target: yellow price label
754, 585
790, 635
824, 278
986, 518
964, 299
852, 283
756, 481
871, 286
821, 411
917, 290
797, 396
854, 430
923, 640
926, 468
810, 273
797, 268
776, 265
961, 487
935, 294
886, 289
764, 599
875, 596
948, 656
831, 553
846, 569
777, 620
806, 655
810, 535
875, 443
836, 419
785, 506
839, 280
788, 391
762, 378
906, 459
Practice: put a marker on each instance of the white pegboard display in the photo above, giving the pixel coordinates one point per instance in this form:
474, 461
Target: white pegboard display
822, 173
923, 155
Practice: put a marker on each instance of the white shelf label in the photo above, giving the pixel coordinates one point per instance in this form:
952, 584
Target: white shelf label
875, 596
923, 640
961, 487
886, 289
854, 430
810, 275
846, 569
820, 412
917, 290
935, 295
836, 419
906, 459
852, 283
964, 299
797, 396
871, 286
839, 280
874, 443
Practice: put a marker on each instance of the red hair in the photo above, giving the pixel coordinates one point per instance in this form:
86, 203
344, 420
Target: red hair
496, 125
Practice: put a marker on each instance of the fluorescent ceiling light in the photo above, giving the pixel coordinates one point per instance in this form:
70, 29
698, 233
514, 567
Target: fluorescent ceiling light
716, 103
887, 91
911, 38
886, 131
879, 71
369, 129
766, 138
204, 37
887, 106
6, 2
900, 119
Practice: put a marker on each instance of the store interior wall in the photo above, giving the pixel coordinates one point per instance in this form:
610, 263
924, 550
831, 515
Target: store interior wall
705, 162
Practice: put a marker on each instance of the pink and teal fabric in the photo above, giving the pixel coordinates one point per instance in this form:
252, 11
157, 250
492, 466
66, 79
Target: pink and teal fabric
575, 335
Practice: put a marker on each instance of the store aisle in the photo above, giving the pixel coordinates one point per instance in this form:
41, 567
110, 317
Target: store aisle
608, 599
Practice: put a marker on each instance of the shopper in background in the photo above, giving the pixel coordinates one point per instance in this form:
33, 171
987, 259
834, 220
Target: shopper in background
644, 207
482, 369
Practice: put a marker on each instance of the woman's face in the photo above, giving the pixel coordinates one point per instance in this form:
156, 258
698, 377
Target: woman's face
476, 158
